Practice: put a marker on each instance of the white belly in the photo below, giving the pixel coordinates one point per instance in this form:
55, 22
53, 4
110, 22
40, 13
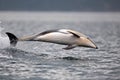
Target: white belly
57, 37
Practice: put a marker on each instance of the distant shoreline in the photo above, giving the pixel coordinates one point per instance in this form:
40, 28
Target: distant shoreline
59, 11
60, 16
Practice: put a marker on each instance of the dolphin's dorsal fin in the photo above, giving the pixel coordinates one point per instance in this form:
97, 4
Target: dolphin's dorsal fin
76, 35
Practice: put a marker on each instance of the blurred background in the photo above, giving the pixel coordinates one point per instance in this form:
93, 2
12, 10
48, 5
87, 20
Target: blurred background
60, 5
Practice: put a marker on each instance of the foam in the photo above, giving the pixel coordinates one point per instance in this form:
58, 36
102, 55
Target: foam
4, 41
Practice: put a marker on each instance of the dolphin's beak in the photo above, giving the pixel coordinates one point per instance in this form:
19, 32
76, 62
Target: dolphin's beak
92, 45
96, 47
86, 42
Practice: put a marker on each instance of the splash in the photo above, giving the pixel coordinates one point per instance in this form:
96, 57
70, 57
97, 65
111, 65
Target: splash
4, 41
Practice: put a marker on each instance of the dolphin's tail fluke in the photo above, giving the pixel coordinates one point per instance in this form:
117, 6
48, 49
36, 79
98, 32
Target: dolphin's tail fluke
13, 39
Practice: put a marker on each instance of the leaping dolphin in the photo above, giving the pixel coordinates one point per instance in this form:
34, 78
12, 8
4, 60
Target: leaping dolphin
67, 37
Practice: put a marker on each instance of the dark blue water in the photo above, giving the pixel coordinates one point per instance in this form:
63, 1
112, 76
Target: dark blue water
47, 61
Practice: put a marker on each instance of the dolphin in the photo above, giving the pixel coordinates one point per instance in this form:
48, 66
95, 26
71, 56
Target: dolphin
67, 37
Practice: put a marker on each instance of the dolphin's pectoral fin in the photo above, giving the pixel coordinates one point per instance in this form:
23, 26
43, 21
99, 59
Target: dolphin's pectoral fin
70, 47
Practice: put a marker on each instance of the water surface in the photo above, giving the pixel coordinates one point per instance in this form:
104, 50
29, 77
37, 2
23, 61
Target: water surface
47, 61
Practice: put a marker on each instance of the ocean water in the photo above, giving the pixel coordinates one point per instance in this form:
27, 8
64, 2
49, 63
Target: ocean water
47, 61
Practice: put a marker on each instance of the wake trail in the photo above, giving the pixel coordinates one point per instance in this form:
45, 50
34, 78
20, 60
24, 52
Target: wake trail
4, 40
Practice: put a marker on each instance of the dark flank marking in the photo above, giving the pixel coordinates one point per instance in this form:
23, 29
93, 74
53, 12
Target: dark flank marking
50, 31
74, 34
46, 32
